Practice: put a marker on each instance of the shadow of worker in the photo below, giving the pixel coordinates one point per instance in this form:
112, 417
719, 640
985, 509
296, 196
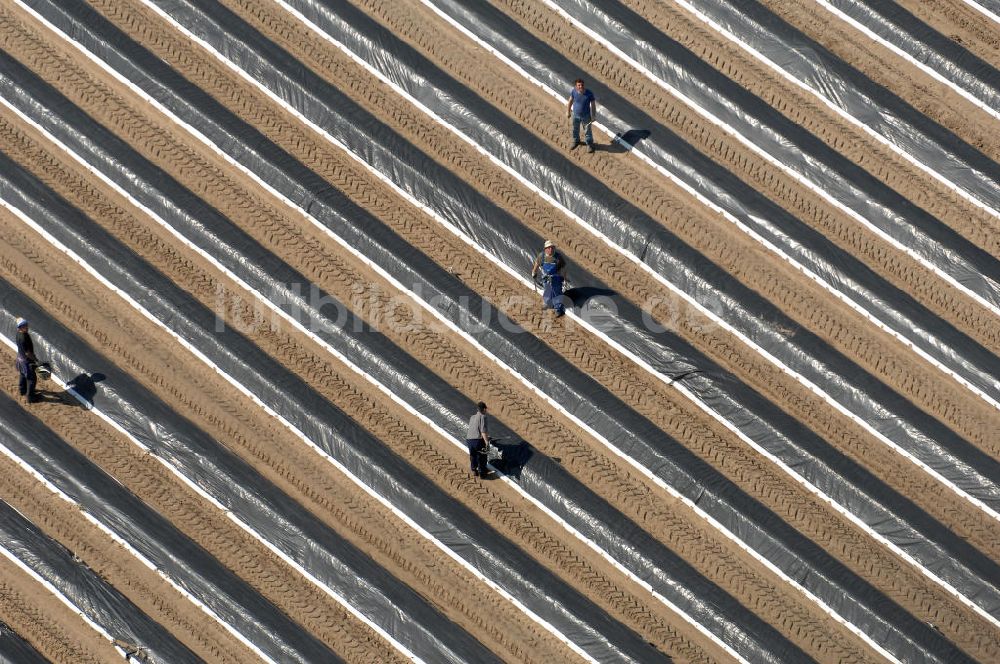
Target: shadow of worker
579, 297
85, 385
625, 142
516, 455
596, 306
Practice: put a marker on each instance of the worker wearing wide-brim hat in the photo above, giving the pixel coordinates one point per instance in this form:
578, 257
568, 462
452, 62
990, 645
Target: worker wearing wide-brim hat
26, 362
552, 267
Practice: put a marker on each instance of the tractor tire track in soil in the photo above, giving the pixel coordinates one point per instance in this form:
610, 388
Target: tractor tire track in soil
195, 183
846, 138
803, 300
505, 193
148, 591
54, 630
961, 23
215, 406
903, 79
16, 649
502, 512
301, 39
281, 458
152, 483
106, 215
378, 418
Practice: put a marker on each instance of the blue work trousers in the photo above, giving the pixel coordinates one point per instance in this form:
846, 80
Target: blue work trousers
552, 297
589, 134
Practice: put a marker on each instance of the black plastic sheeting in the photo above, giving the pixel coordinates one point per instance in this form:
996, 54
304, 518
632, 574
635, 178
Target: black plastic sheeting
819, 164
634, 435
992, 6
303, 538
92, 595
860, 393
227, 478
653, 456
299, 535
926, 45
849, 89
539, 475
15, 650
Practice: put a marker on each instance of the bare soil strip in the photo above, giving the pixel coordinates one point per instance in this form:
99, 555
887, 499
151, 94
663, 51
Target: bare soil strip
277, 454
522, 208
957, 21
843, 276
800, 298
219, 409
144, 587
941, 56
16, 648
312, 364
451, 263
900, 175
881, 65
302, 40
501, 511
149, 480
382, 419
46, 623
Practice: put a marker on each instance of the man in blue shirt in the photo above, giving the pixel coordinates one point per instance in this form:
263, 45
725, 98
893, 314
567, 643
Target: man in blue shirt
582, 108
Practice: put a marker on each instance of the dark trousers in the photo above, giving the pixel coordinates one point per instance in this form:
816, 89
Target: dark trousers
552, 296
477, 460
26, 384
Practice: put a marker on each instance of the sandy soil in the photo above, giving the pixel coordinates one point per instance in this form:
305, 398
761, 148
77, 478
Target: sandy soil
921, 91
960, 23
142, 586
149, 354
801, 299
46, 623
218, 408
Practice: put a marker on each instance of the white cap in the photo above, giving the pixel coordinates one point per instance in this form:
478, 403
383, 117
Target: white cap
21, 322
549, 243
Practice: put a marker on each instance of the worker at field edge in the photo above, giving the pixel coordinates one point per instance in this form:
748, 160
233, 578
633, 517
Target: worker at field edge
552, 266
477, 436
26, 362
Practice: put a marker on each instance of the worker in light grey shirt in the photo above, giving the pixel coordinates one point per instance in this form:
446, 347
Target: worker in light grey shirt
476, 437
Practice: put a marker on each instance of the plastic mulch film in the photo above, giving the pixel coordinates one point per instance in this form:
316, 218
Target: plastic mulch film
394, 607
16, 650
543, 478
850, 90
991, 6
796, 148
860, 393
88, 592
947, 57
890, 413
705, 485
253, 500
